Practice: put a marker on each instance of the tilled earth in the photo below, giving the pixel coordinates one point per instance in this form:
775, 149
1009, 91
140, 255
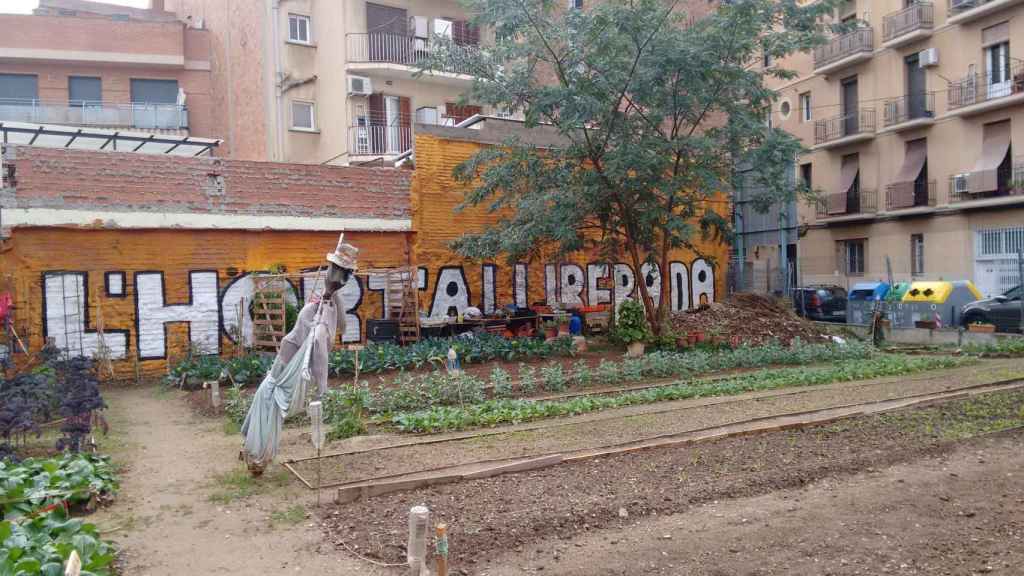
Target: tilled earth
509, 514
635, 422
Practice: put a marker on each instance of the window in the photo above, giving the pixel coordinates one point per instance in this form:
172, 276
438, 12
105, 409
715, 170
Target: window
854, 257
767, 61
83, 89
443, 27
154, 91
303, 116
19, 87
805, 175
805, 107
917, 254
785, 109
298, 29
576, 4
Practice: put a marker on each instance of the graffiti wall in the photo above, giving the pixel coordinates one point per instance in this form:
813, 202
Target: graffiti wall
147, 296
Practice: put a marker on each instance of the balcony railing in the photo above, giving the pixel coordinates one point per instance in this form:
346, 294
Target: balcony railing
1010, 182
978, 88
957, 7
860, 40
379, 140
848, 204
910, 195
407, 51
132, 115
829, 129
907, 108
919, 16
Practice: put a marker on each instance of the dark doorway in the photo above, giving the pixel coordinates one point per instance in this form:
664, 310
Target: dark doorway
916, 105
851, 124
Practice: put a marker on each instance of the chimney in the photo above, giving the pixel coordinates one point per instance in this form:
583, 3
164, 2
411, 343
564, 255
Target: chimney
157, 5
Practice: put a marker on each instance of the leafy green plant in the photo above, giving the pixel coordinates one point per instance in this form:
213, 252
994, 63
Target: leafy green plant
553, 377
527, 379
236, 404
631, 323
501, 411
501, 382
581, 374
607, 372
345, 411
41, 545
36, 483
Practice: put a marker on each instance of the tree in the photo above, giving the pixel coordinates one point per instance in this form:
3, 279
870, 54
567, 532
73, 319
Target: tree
654, 109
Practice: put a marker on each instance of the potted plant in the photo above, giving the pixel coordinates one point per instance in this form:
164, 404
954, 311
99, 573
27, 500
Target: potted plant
982, 327
550, 329
631, 327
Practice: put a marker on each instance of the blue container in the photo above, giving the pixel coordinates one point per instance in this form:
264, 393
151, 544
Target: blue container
860, 301
575, 325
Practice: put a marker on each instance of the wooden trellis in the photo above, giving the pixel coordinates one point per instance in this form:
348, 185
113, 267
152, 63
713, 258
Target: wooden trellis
268, 322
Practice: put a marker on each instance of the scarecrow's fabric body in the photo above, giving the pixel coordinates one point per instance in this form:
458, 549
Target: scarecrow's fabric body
301, 360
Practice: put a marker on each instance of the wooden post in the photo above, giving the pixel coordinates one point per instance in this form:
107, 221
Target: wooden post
215, 393
442, 549
416, 551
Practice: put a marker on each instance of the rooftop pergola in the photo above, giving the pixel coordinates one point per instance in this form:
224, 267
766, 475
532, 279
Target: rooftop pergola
55, 136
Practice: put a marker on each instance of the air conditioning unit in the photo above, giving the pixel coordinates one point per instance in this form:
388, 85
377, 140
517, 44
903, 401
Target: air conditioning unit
928, 57
959, 5
960, 184
359, 85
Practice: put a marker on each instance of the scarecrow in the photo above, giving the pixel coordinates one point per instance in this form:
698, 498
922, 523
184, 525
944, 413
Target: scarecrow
301, 360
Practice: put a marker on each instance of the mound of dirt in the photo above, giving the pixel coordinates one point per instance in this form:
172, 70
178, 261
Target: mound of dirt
747, 318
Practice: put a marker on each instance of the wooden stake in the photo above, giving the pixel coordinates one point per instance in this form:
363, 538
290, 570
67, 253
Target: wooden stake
441, 545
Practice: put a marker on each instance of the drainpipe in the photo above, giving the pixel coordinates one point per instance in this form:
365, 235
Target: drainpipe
276, 54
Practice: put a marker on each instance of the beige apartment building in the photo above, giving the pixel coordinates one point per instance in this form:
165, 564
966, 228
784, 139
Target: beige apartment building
915, 125
331, 81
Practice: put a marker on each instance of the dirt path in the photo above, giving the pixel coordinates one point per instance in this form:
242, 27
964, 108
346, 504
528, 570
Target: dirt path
187, 507
960, 513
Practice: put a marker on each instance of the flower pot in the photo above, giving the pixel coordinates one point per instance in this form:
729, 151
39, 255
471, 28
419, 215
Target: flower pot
928, 324
635, 349
682, 342
982, 328
698, 337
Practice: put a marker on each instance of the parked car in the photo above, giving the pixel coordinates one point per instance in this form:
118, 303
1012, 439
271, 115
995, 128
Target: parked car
1003, 311
825, 303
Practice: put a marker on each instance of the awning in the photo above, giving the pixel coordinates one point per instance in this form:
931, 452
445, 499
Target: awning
913, 162
59, 136
996, 143
847, 176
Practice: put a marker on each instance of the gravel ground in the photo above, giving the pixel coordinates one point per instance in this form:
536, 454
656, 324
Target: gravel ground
636, 422
547, 509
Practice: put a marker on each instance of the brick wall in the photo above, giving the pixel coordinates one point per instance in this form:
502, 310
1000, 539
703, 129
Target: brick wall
121, 181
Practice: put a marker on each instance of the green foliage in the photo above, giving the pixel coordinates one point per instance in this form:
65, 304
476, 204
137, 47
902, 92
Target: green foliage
608, 372
631, 323
36, 535
553, 377
1001, 347
637, 93
236, 404
494, 412
345, 411
582, 376
527, 379
501, 381
245, 370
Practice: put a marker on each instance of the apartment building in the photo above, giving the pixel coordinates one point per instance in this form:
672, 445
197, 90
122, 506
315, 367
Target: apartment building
103, 69
915, 125
331, 81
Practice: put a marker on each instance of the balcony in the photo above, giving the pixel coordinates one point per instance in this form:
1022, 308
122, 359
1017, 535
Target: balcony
908, 25
1010, 188
846, 129
908, 112
843, 51
142, 116
853, 205
964, 11
398, 56
910, 195
983, 92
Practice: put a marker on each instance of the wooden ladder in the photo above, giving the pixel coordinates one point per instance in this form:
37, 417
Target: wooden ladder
403, 304
268, 315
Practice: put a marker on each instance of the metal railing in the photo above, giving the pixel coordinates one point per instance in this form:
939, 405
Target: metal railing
407, 51
1009, 182
379, 140
910, 195
860, 40
906, 108
960, 6
920, 15
847, 204
141, 115
978, 88
829, 129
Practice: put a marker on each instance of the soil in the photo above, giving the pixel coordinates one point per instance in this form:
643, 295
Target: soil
548, 509
636, 422
185, 506
751, 318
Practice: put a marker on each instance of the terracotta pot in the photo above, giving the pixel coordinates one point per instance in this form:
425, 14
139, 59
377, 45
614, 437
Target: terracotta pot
635, 349
982, 328
928, 324
551, 333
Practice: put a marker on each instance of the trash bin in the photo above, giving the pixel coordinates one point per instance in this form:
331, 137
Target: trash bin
895, 310
862, 299
937, 304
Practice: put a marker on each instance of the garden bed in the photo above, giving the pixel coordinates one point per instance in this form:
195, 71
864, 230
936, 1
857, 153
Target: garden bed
506, 513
